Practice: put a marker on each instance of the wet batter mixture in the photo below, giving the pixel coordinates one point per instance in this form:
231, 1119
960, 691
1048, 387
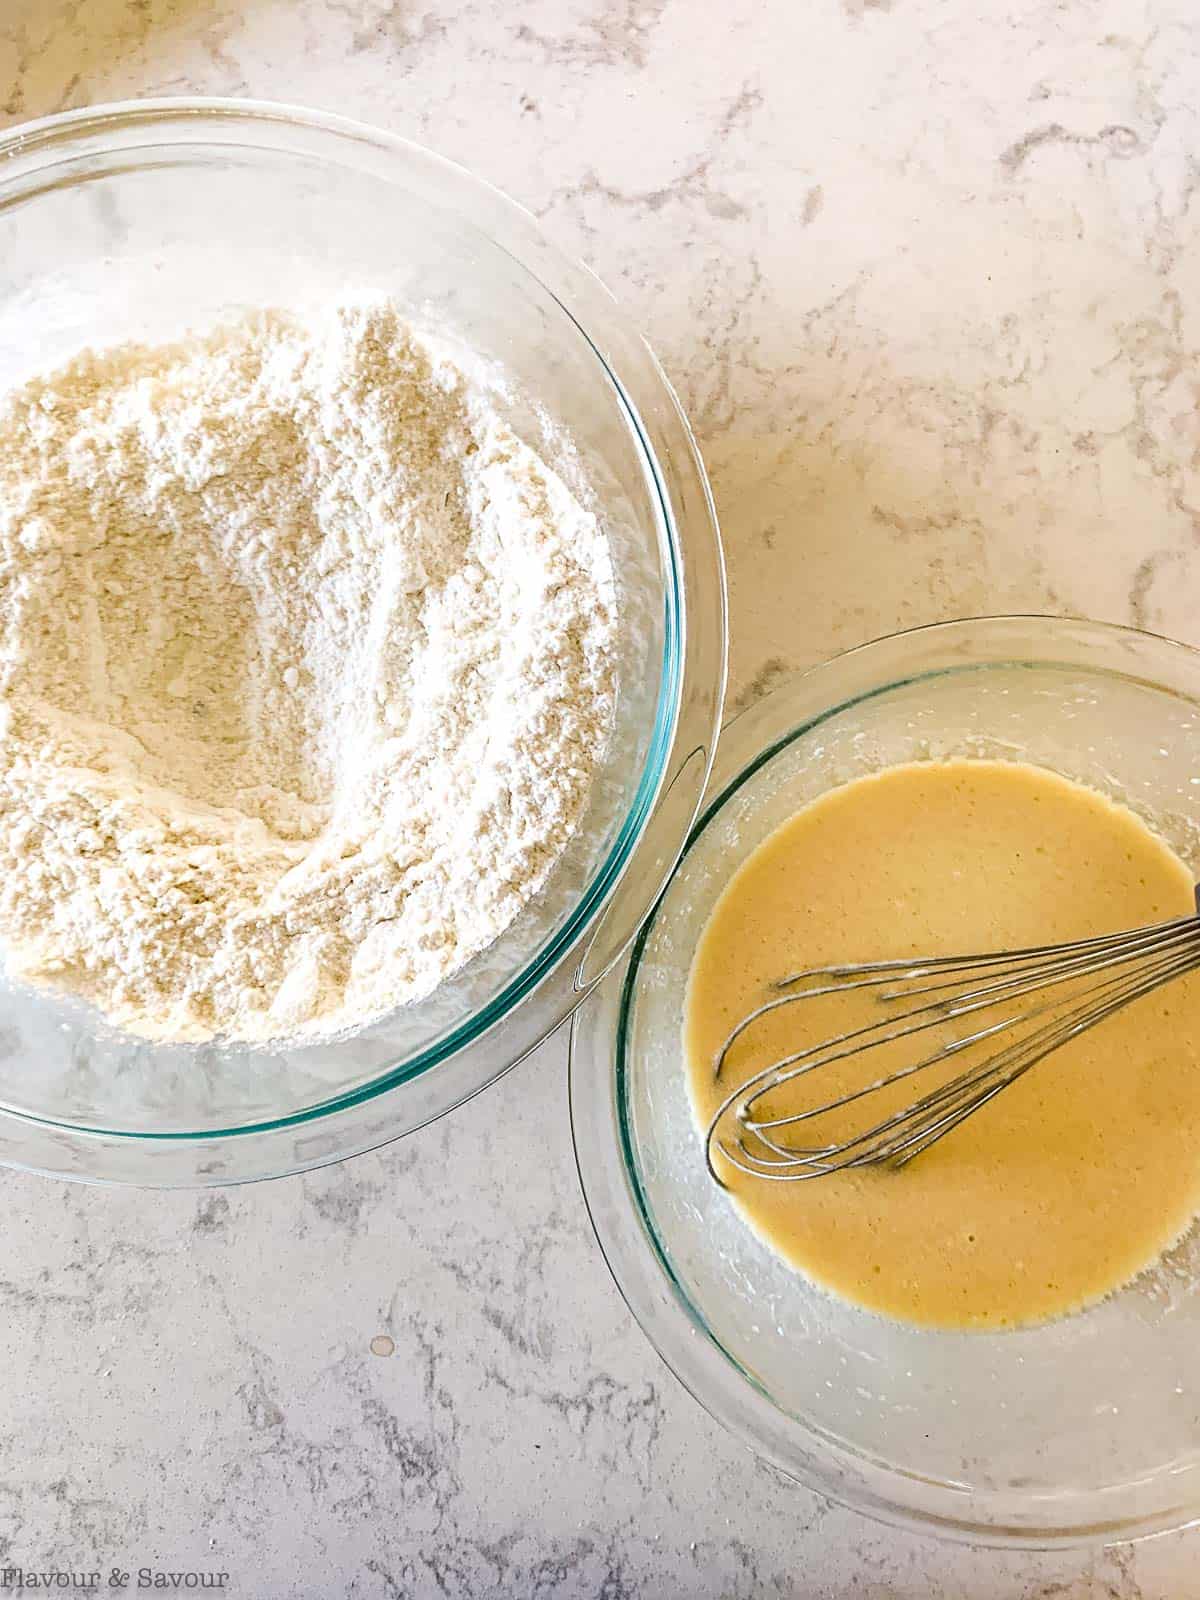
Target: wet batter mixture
1070, 1182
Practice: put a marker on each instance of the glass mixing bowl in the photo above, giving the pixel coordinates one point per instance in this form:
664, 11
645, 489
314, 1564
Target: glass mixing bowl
1082, 1429
139, 220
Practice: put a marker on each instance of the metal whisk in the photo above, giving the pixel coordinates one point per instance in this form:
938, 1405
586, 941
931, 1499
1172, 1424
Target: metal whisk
1042, 997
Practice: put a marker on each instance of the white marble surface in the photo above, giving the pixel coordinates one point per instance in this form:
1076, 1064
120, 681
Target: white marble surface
926, 275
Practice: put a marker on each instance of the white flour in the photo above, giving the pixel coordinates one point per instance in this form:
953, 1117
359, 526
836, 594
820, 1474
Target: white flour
306, 664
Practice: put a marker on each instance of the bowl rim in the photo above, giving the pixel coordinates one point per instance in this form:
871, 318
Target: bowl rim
641, 1266
687, 713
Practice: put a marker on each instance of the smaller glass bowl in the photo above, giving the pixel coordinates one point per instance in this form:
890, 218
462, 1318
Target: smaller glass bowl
1085, 1429
139, 221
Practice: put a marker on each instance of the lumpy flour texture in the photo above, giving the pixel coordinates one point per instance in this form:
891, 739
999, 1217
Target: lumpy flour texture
306, 666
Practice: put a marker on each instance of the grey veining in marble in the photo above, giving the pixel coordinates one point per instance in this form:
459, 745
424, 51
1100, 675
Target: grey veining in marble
926, 274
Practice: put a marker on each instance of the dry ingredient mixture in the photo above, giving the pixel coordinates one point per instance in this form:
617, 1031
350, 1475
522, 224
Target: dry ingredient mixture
306, 664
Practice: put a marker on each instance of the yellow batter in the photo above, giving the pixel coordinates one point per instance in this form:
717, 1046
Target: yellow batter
1070, 1182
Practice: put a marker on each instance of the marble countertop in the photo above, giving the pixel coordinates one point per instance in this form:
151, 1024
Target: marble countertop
925, 275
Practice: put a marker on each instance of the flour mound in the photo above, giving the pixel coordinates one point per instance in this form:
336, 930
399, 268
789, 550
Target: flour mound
306, 665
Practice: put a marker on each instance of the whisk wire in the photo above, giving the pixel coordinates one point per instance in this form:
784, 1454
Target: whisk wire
1075, 960
1034, 1050
1094, 1003
1131, 964
991, 957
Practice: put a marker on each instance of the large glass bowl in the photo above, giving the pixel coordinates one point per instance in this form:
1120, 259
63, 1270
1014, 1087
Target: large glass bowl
1083, 1429
139, 220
